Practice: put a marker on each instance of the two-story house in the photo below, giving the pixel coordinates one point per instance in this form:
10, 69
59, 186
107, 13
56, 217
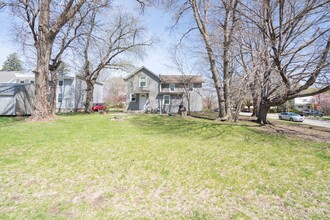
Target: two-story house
70, 92
164, 93
303, 103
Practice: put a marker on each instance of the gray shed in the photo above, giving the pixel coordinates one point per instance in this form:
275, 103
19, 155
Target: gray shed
16, 99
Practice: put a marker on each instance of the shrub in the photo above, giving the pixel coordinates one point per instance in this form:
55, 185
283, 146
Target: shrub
272, 110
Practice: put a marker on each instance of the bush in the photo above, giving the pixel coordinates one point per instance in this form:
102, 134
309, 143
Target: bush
272, 110
295, 111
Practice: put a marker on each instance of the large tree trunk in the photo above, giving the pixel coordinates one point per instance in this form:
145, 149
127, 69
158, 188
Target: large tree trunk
228, 28
263, 110
41, 90
44, 50
89, 96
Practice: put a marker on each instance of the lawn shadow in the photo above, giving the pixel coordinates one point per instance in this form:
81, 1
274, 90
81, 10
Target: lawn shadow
187, 125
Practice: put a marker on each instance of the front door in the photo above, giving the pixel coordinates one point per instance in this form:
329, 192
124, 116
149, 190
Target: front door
142, 101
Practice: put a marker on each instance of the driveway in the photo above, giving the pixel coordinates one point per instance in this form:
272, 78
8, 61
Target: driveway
307, 120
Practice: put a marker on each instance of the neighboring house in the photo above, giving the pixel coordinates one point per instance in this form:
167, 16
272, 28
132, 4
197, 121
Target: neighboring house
303, 103
16, 77
146, 90
16, 99
71, 89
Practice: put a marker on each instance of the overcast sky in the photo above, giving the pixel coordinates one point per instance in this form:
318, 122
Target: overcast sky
156, 20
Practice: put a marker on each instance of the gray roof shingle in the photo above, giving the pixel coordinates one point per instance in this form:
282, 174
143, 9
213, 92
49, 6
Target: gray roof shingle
181, 79
9, 89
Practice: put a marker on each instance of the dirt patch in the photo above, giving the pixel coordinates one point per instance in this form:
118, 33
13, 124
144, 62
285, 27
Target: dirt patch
313, 133
117, 118
41, 119
96, 199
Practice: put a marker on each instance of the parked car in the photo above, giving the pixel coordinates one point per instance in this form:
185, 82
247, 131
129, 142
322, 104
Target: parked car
290, 116
312, 112
99, 107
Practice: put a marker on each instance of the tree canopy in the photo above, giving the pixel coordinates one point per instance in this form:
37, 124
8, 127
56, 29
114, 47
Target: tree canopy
13, 63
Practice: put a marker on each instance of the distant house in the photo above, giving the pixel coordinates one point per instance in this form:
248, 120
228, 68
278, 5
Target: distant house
71, 89
164, 93
16, 99
303, 103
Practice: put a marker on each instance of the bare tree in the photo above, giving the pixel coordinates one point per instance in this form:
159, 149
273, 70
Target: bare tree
200, 11
324, 102
209, 99
186, 68
116, 91
216, 22
44, 19
228, 27
104, 47
67, 39
251, 57
297, 43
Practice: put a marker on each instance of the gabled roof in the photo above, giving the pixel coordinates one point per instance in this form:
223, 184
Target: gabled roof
8, 76
138, 70
9, 89
181, 79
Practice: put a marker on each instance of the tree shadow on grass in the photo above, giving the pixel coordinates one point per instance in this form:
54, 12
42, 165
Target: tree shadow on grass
176, 125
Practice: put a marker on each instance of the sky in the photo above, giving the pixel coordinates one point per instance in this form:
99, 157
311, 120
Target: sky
157, 22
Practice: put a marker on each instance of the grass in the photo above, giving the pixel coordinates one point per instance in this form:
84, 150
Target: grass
150, 166
325, 118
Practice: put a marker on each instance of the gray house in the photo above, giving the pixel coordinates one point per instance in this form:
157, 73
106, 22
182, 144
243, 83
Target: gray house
164, 93
70, 92
16, 99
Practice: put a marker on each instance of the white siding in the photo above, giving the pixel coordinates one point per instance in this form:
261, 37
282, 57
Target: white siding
98, 93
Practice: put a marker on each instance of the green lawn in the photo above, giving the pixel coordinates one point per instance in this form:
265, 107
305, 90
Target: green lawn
326, 118
158, 167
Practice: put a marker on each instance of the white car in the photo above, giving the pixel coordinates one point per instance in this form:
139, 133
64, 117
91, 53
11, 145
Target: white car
290, 116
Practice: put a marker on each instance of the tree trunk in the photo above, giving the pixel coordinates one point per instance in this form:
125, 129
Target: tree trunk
201, 24
44, 50
263, 110
89, 96
52, 92
226, 66
255, 104
238, 110
41, 90
226, 81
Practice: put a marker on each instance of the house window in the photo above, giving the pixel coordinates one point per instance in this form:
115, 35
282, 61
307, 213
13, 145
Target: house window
304, 100
60, 83
166, 99
191, 87
172, 87
59, 97
143, 81
133, 97
22, 82
32, 81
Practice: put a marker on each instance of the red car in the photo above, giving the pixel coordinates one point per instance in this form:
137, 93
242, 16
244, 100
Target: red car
99, 107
